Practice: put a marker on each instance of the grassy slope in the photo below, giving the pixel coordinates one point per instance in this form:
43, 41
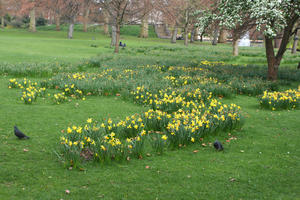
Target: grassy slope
36, 174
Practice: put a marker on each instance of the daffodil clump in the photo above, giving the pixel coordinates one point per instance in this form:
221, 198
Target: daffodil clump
99, 143
29, 95
289, 99
170, 100
212, 63
30, 91
189, 125
125, 139
73, 91
14, 83
180, 81
60, 98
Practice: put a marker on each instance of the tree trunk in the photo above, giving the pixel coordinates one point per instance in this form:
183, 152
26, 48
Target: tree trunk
272, 64
186, 33
113, 35
274, 61
71, 29
201, 37
235, 46
86, 19
49, 14
174, 35
166, 29
186, 37
106, 23
2, 22
215, 36
117, 38
32, 26
57, 21
223, 36
277, 40
295, 44
196, 34
192, 35
144, 27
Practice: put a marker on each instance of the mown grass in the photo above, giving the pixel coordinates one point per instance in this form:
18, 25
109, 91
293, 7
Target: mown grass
266, 169
261, 164
51, 46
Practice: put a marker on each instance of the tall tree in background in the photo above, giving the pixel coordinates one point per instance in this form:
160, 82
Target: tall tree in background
147, 7
273, 17
2, 13
172, 11
223, 35
190, 16
56, 6
181, 14
86, 7
106, 22
269, 16
32, 23
121, 12
236, 16
206, 22
27, 8
71, 11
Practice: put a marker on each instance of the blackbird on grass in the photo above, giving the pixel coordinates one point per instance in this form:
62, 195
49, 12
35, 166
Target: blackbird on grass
19, 133
218, 146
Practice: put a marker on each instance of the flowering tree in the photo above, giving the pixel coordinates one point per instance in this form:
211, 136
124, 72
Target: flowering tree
269, 16
236, 16
273, 17
207, 21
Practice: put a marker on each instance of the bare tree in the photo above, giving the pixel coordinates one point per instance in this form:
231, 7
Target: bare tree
181, 14
172, 11
106, 22
71, 9
86, 7
56, 6
147, 7
121, 12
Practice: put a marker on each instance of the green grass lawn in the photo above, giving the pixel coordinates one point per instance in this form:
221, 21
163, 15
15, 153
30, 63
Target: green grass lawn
263, 163
51, 46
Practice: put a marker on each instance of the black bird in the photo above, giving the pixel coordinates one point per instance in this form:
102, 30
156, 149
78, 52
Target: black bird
218, 146
120, 44
19, 133
124, 45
